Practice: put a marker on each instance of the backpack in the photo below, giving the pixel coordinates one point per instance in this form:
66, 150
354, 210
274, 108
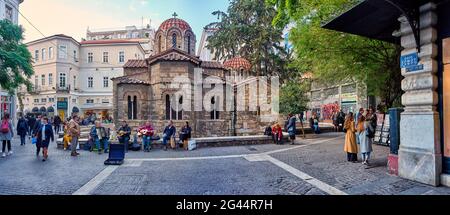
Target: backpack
268, 131
5, 127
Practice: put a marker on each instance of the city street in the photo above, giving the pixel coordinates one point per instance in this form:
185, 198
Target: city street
315, 166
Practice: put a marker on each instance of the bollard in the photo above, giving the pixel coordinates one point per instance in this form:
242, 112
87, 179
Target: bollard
394, 129
394, 137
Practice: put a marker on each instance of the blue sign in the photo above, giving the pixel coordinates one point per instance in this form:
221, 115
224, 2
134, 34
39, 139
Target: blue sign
409, 60
414, 68
62, 105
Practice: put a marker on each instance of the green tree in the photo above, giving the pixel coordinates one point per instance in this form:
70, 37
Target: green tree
293, 98
246, 30
335, 57
15, 59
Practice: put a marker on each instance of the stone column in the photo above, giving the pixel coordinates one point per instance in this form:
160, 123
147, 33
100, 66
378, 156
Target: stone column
420, 157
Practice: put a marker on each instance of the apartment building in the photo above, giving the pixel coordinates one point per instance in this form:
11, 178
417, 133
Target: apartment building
73, 77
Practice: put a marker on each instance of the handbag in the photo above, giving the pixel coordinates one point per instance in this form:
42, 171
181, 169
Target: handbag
34, 140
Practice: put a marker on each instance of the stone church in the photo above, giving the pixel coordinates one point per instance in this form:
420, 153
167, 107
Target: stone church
149, 90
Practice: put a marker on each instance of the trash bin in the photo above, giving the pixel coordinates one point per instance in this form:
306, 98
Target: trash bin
394, 129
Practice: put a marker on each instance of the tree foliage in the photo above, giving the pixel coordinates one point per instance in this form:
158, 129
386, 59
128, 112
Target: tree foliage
293, 98
246, 30
15, 59
335, 57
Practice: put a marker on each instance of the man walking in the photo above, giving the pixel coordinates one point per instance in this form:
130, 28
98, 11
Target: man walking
57, 124
74, 131
35, 129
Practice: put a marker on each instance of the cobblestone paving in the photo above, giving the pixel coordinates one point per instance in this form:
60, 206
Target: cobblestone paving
327, 162
204, 177
24, 174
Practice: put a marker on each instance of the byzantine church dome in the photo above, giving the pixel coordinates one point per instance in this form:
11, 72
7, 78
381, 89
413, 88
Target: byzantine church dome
175, 33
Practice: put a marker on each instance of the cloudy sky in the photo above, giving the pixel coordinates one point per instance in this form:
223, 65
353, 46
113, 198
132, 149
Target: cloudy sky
73, 17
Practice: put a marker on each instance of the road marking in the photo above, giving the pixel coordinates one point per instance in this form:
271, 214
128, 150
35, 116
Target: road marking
97, 180
136, 162
296, 147
187, 158
307, 178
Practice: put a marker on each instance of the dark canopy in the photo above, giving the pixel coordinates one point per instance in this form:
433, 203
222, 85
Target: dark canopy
376, 19
75, 110
50, 109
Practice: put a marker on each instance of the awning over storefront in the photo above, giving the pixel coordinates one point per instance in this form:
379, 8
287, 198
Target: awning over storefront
50, 109
35, 110
75, 110
43, 110
376, 19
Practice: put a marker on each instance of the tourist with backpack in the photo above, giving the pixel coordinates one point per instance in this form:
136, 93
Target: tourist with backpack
22, 128
6, 135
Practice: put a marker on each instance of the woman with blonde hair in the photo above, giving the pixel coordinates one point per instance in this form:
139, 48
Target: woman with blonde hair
365, 142
350, 139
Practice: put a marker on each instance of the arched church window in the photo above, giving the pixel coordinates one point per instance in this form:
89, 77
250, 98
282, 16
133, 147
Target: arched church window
135, 107
215, 108
180, 109
159, 44
174, 40
130, 108
168, 108
189, 44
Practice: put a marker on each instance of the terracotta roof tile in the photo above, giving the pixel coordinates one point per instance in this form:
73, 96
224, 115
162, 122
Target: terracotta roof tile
127, 80
212, 65
135, 64
174, 22
238, 63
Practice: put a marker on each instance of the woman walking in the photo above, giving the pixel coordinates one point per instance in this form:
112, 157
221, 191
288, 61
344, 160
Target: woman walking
365, 141
350, 139
6, 135
44, 136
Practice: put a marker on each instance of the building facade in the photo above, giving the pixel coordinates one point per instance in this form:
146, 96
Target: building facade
145, 36
166, 86
348, 97
72, 77
9, 11
203, 52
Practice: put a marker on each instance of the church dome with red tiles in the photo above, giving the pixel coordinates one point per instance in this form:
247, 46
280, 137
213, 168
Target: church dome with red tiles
175, 33
238, 63
175, 22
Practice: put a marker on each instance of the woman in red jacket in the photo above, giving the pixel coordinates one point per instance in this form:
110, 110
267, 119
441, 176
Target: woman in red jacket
277, 133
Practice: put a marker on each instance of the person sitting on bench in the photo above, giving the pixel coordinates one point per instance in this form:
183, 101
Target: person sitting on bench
99, 135
146, 132
185, 135
277, 133
168, 133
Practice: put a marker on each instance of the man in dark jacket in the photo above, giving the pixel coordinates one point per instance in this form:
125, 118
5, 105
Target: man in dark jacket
124, 133
22, 129
31, 122
44, 135
168, 133
57, 124
35, 129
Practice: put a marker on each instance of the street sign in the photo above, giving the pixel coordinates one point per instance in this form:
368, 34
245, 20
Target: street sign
409, 60
414, 68
62, 105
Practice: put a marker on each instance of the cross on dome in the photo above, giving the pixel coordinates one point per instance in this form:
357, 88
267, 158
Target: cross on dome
175, 15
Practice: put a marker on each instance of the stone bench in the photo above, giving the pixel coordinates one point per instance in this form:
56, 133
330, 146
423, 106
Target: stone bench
204, 141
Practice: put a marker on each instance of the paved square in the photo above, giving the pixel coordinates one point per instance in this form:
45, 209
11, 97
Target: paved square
315, 166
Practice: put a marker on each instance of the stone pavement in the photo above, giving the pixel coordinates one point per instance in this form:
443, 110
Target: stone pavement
315, 166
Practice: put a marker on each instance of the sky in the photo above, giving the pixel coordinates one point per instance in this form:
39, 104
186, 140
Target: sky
73, 17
